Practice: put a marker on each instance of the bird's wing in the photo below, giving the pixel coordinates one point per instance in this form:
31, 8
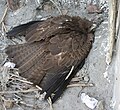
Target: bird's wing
47, 68
41, 30
49, 64
51, 52
47, 29
26, 56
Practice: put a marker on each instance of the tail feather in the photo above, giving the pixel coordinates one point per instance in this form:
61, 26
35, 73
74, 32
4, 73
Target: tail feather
64, 84
60, 84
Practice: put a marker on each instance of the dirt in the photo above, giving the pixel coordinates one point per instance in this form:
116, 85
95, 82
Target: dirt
95, 70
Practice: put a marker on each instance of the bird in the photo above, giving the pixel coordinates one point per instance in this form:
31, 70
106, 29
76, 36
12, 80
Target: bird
54, 51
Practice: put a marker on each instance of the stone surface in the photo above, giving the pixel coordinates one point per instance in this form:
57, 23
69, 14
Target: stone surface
95, 64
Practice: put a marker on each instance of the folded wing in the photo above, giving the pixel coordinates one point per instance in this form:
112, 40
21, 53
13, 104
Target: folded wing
53, 48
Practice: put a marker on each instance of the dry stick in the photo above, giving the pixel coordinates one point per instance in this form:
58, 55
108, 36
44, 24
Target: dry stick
17, 96
76, 79
28, 105
3, 17
25, 95
38, 87
22, 91
56, 6
21, 80
81, 85
19, 106
4, 107
4, 27
1, 97
50, 103
112, 23
24, 81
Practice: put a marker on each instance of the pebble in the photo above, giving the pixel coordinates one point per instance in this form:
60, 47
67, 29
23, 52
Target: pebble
8, 104
86, 78
100, 105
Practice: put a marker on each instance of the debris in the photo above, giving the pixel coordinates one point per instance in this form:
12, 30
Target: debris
9, 64
86, 78
56, 6
50, 103
81, 85
4, 15
42, 96
113, 103
2, 21
13, 4
18, 91
100, 105
26, 104
4, 78
65, 11
47, 7
37, 2
38, 87
89, 101
105, 74
8, 104
93, 9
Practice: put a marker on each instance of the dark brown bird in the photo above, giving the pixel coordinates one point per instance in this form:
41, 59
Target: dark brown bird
54, 51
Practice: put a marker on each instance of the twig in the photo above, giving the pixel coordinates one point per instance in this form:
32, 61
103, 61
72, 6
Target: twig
3, 99
76, 79
38, 87
21, 80
22, 91
25, 95
4, 27
4, 107
50, 103
28, 105
24, 81
3, 17
17, 96
81, 85
19, 106
56, 6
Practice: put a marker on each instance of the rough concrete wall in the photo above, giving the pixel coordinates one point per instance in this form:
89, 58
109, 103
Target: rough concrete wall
116, 94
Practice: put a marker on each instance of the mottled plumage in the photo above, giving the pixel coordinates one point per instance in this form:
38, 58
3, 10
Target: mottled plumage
52, 48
